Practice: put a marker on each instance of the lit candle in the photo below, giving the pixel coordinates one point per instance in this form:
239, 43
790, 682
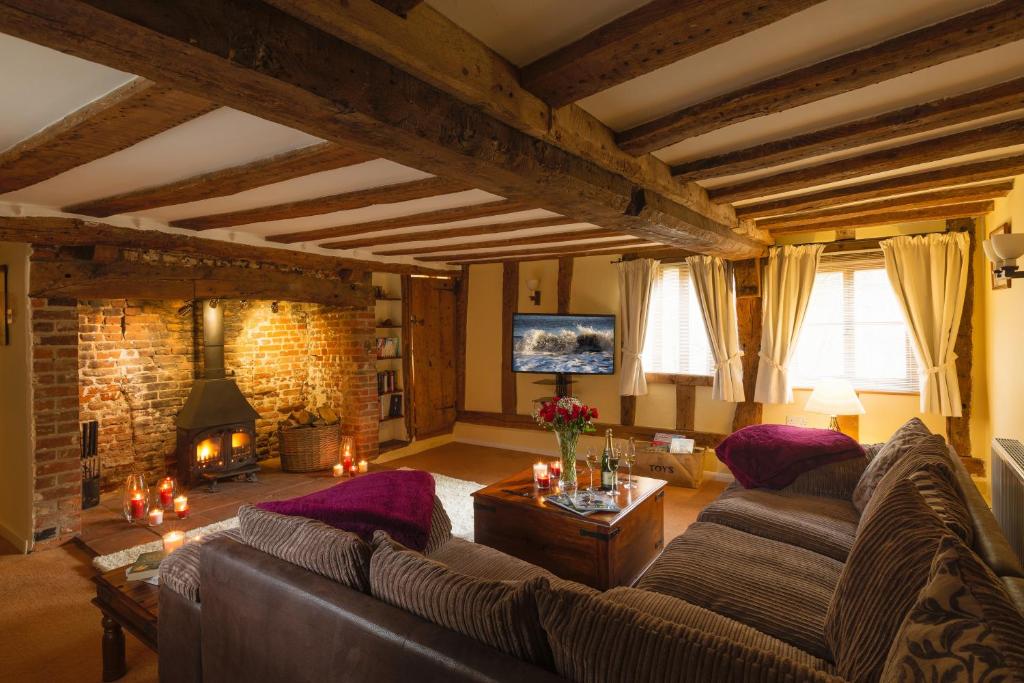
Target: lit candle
541, 475
339, 470
346, 463
138, 506
181, 507
353, 470
364, 467
156, 516
173, 540
555, 468
166, 492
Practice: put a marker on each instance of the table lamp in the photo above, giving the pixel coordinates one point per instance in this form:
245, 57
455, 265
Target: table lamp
834, 397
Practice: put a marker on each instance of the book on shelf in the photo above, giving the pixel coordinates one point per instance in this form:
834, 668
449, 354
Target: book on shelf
389, 347
146, 566
391, 406
387, 382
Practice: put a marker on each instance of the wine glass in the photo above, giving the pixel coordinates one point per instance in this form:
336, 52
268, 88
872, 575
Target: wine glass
629, 455
592, 462
613, 461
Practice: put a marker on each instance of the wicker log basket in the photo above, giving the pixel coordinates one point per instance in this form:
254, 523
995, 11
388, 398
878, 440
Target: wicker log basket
306, 446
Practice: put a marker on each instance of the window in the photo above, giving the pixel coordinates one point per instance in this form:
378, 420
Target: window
854, 328
677, 342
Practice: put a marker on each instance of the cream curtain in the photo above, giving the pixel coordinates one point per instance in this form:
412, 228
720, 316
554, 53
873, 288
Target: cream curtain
785, 293
636, 279
929, 276
716, 292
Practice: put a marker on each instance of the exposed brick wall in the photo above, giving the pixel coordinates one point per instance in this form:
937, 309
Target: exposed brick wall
57, 500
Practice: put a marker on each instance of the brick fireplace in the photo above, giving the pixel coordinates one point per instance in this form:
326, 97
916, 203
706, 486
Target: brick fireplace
130, 365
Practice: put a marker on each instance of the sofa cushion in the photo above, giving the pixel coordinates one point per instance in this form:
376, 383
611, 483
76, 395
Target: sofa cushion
963, 626
833, 480
501, 614
322, 549
596, 640
440, 527
903, 440
483, 562
774, 587
179, 571
887, 567
824, 525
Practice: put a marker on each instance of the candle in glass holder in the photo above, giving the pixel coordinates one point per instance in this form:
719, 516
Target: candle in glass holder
555, 468
353, 470
541, 475
338, 470
156, 516
346, 463
364, 467
138, 506
181, 507
173, 540
166, 492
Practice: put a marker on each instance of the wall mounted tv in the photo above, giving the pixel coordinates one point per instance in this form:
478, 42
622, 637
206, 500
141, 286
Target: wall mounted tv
563, 344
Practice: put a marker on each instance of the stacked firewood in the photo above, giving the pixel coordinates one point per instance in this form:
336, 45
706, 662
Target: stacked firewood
318, 417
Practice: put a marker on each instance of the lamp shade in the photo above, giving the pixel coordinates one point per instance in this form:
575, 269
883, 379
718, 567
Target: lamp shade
834, 397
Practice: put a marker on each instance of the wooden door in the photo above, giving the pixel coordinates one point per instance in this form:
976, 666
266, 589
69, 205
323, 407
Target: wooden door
432, 336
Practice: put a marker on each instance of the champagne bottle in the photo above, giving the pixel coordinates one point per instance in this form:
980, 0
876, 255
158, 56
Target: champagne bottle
607, 473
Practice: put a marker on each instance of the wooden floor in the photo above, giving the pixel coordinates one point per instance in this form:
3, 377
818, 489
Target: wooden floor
104, 529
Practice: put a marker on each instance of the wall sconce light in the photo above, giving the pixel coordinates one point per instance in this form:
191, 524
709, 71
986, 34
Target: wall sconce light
1004, 250
534, 287
275, 306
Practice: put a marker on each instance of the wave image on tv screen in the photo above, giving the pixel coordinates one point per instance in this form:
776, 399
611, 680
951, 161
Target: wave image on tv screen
577, 344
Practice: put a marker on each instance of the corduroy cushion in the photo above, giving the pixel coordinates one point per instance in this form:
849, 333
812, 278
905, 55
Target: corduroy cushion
887, 567
833, 480
440, 528
824, 525
483, 562
774, 587
964, 626
595, 640
501, 614
322, 549
903, 440
179, 571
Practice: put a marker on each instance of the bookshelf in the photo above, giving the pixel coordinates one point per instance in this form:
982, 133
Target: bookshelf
389, 309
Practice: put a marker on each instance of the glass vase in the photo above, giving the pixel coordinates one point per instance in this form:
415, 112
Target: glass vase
567, 442
135, 498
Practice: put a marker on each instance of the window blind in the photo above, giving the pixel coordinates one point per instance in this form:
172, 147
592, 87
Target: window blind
677, 341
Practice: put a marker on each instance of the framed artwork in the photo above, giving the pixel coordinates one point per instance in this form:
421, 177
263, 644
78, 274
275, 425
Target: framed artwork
1005, 282
5, 333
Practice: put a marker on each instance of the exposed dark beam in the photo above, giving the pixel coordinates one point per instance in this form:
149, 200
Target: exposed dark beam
322, 156
926, 151
130, 114
889, 217
919, 118
376, 240
653, 251
961, 36
651, 36
595, 233
1004, 167
399, 7
387, 194
555, 251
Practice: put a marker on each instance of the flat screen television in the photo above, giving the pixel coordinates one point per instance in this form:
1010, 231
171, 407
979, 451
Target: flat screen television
563, 344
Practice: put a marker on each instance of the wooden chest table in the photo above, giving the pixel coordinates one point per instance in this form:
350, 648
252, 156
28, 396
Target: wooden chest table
602, 550
133, 605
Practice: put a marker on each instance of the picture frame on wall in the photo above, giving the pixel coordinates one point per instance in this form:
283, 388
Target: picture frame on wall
1003, 282
5, 333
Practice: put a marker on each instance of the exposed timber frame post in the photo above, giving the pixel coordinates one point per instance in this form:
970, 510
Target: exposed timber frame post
509, 304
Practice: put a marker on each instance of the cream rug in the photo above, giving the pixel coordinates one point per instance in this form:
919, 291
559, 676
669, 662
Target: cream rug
453, 493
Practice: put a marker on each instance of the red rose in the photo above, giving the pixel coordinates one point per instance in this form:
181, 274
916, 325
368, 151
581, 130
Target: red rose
593, 413
563, 413
575, 412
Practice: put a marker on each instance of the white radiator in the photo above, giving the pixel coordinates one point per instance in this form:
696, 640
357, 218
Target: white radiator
1008, 490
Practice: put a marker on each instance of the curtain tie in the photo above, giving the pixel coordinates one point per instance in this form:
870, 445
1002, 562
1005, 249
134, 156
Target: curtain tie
771, 361
939, 368
633, 355
731, 359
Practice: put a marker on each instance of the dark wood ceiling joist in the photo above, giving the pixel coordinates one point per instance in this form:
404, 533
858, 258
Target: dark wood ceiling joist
919, 118
399, 7
134, 112
437, 217
961, 36
357, 199
559, 249
890, 217
324, 156
652, 36
960, 174
376, 240
596, 233
956, 195
936, 149
540, 254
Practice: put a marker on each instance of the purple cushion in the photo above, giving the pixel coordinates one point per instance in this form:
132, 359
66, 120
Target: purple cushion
399, 502
772, 456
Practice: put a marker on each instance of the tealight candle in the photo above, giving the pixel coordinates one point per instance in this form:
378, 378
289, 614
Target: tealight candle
353, 470
173, 540
364, 467
555, 468
181, 507
541, 475
156, 516
338, 470
138, 506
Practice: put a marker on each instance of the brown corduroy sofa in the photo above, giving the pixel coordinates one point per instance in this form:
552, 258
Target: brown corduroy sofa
766, 586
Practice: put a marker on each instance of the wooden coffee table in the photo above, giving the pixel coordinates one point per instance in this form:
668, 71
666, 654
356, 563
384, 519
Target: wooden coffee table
602, 550
133, 605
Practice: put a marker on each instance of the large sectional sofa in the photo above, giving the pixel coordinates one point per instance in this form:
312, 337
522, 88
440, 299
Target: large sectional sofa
886, 567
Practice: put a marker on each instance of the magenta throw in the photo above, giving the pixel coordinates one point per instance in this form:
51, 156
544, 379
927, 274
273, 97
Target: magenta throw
398, 502
772, 456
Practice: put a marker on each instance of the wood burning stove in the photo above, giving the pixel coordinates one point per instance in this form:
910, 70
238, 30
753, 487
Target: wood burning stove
216, 426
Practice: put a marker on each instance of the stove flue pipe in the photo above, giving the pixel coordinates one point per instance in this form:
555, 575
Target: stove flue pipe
213, 339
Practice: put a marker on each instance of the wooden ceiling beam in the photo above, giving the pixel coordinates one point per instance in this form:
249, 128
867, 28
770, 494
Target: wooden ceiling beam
548, 254
956, 195
437, 217
890, 217
650, 37
134, 112
995, 169
923, 152
73, 232
377, 240
961, 36
919, 118
399, 8
386, 194
596, 233
561, 250
323, 156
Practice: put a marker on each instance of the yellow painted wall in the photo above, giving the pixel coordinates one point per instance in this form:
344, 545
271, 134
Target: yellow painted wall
483, 339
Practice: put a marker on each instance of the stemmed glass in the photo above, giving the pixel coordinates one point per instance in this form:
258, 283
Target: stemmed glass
592, 462
629, 455
613, 461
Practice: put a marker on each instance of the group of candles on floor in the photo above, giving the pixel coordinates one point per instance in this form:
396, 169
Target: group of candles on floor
139, 509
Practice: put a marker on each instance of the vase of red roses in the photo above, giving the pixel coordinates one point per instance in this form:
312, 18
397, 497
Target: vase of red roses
568, 418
